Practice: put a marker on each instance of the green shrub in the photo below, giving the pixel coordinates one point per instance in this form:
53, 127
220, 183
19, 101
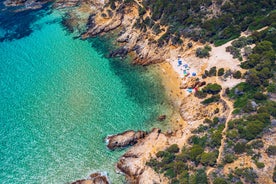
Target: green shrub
216, 120
216, 139
208, 158
260, 96
212, 71
170, 173
257, 144
212, 99
221, 72
201, 177
207, 121
182, 157
237, 75
200, 94
260, 165
202, 52
212, 88
168, 159
249, 175
271, 88
184, 177
239, 148
161, 154
220, 181
195, 151
233, 134
173, 149
271, 150
229, 158
199, 140
253, 129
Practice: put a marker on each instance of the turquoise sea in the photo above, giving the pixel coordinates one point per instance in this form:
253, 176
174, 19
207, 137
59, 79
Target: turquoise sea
60, 97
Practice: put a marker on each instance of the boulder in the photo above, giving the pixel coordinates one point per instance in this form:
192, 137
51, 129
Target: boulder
162, 118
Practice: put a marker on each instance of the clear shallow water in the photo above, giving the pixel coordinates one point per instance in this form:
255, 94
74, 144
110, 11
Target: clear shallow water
60, 98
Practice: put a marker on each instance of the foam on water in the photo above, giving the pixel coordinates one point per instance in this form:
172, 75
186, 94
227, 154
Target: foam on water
59, 99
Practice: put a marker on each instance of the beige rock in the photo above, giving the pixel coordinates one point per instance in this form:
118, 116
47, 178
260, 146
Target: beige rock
124, 139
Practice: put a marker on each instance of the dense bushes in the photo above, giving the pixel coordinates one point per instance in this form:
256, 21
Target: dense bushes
175, 166
220, 181
237, 75
271, 150
214, 98
188, 18
221, 72
249, 128
203, 52
212, 89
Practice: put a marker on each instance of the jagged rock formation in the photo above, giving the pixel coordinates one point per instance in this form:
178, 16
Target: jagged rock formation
95, 178
124, 139
26, 4
132, 163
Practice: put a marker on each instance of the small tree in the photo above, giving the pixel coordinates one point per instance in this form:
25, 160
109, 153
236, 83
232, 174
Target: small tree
220, 181
271, 150
173, 148
208, 158
237, 75
212, 89
221, 72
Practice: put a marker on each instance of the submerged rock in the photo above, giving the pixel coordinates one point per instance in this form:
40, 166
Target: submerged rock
95, 178
162, 118
124, 139
120, 52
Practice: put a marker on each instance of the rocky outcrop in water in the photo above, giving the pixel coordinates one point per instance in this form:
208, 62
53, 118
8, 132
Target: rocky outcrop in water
15, 2
66, 3
120, 52
26, 4
124, 139
104, 26
95, 178
133, 162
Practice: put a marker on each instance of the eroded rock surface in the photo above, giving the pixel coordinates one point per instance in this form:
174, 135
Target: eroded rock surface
95, 178
124, 139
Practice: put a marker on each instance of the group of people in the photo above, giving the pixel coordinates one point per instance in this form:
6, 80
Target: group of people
185, 68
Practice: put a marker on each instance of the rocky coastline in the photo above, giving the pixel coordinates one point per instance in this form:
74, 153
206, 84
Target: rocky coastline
94, 178
127, 138
144, 49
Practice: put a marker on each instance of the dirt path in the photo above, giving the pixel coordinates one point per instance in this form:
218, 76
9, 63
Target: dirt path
229, 116
230, 106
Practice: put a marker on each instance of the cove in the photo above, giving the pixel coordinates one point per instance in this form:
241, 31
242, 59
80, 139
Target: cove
60, 97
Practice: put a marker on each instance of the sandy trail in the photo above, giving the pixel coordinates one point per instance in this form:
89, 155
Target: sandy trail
230, 106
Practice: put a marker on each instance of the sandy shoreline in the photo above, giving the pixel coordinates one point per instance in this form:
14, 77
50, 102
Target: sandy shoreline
171, 82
